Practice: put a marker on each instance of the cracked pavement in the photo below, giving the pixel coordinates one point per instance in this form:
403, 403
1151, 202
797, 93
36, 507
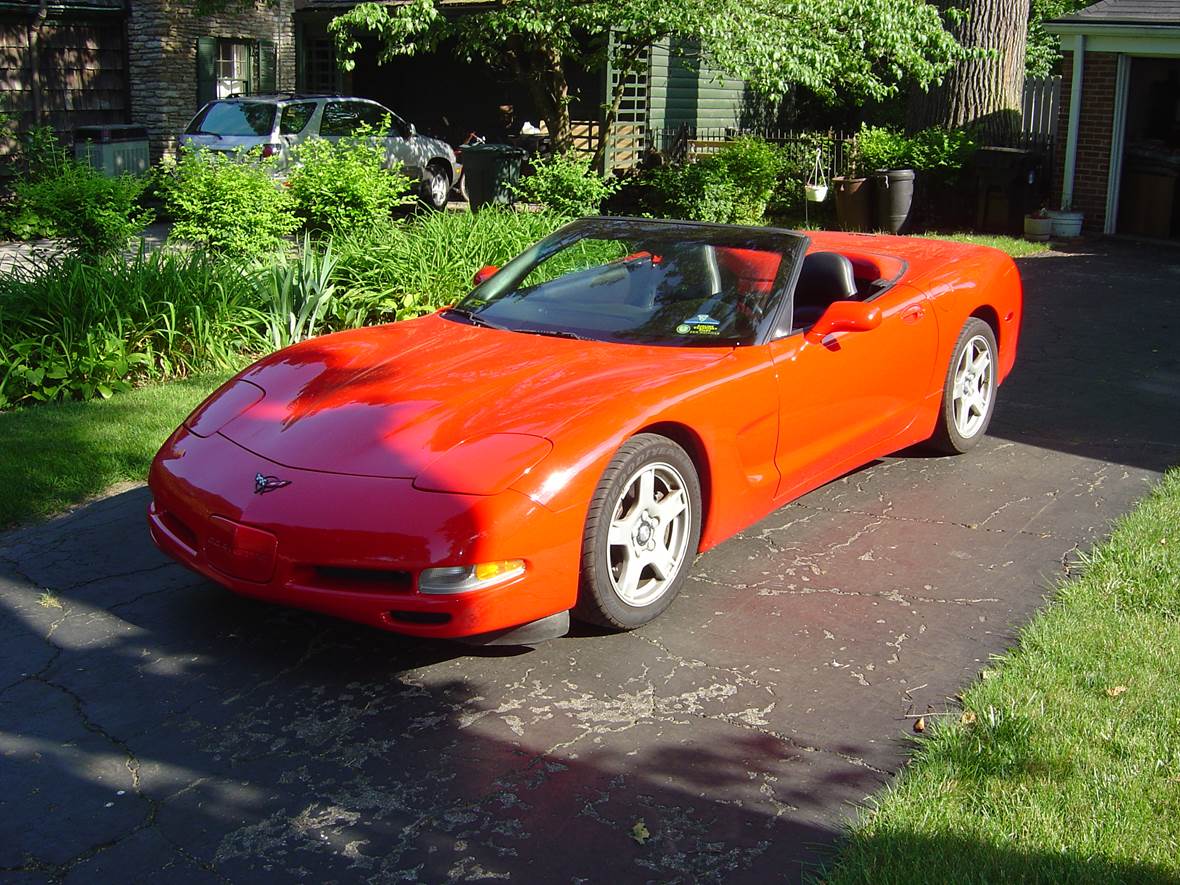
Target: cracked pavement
153, 725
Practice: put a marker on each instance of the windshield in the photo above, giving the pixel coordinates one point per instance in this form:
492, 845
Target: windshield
641, 282
234, 118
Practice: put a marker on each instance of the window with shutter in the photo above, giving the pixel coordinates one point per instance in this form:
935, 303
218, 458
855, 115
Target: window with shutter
206, 70
266, 67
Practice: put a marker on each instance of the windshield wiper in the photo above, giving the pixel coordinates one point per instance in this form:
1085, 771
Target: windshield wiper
217, 135
554, 333
476, 319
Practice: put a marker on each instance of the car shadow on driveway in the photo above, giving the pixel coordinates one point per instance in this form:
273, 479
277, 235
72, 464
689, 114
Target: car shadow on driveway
155, 722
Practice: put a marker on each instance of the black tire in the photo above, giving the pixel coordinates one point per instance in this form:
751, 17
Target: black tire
954, 435
672, 538
436, 186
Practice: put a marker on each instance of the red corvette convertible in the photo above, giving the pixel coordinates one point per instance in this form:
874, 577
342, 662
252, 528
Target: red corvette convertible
616, 399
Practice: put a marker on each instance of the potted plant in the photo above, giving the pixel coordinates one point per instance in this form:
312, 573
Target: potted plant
1038, 225
853, 207
1065, 221
887, 153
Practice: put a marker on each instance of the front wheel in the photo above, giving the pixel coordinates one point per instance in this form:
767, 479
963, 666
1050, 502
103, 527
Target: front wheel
969, 392
642, 532
436, 187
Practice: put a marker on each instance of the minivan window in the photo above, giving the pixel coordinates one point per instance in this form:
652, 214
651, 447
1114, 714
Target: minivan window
345, 117
296, 117
234, 118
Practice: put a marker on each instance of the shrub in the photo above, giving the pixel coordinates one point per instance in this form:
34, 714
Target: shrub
95, 214
942, 151
402, 271
732, 186
72, 329
882, 148
59, 196
565, 184
937, 150
229, 204
345, 184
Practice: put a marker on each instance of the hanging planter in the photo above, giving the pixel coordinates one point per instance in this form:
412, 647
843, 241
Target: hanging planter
816, 188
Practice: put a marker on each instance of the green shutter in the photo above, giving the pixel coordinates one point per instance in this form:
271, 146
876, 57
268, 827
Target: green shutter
265, 77
206, 70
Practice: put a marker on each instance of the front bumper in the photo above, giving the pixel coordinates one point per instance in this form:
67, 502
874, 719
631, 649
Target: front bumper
353, 546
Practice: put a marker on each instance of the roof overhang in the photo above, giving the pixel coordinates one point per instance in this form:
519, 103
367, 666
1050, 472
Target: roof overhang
1132, 38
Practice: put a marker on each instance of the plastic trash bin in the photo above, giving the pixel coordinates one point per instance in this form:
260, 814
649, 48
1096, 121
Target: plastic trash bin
489, 171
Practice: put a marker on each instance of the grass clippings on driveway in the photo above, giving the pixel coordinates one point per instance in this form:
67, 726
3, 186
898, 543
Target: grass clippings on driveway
55, 455
1064, 763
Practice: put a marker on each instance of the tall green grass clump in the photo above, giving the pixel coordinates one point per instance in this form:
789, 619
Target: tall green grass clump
75, 330
395, 272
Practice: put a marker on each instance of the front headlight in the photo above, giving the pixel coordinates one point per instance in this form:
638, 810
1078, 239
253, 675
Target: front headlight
222, 407
465, 578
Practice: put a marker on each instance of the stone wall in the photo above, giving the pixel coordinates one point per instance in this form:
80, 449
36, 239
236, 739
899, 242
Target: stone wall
1092, 170
162, 48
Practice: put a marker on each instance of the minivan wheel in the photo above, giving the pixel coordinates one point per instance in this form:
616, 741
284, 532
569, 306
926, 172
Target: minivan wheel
436, 187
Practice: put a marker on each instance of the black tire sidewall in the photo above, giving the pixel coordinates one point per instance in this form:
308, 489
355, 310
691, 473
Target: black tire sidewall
947, 438
598, 602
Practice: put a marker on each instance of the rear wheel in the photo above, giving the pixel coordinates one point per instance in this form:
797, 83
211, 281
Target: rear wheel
642, 533
969, 392
436, 186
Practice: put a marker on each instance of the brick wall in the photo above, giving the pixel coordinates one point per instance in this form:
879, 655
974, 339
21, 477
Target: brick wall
1092, 169
162, 46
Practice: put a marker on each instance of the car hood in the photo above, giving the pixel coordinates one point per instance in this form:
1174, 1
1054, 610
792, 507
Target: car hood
391, 400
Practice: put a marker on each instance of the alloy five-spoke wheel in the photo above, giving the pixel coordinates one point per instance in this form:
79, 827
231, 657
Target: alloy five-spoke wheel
641, 534
969, 393
973, 386
648, 535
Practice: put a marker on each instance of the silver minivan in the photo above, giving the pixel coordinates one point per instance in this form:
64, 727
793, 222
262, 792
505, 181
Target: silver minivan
277, 122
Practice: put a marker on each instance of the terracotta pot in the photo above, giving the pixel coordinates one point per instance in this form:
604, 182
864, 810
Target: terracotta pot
853, 203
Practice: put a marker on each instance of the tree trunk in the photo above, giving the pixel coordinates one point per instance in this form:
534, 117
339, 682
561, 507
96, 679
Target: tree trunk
544, 74
986, 92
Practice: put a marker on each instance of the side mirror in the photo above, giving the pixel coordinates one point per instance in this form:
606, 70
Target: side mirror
844, 316
411, 130
484, 274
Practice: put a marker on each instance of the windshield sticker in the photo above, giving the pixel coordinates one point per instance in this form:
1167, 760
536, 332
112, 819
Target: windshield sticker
701, 324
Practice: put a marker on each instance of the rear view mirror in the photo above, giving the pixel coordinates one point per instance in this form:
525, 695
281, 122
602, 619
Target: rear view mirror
845, 316
484, 274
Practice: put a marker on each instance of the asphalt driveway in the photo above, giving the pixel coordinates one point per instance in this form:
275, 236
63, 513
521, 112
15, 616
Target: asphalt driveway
152, 725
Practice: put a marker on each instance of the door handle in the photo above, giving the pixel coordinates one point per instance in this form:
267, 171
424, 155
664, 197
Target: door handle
913, 313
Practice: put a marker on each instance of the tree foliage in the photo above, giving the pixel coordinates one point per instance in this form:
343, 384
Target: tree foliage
853, 48
1041, 53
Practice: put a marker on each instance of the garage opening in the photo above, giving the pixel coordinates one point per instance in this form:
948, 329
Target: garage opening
1149, 205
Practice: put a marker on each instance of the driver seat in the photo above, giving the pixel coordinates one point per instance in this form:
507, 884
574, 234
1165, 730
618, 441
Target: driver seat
824, 277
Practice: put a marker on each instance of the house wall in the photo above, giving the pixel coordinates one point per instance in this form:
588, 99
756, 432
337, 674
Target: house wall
1092, 170
64, 71
162, 47
689, 91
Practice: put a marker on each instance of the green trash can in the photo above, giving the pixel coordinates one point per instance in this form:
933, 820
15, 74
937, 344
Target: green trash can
489, 170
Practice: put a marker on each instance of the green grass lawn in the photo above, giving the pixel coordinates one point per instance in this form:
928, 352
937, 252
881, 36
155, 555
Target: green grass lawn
53, 456
1017, 247
1064, 763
